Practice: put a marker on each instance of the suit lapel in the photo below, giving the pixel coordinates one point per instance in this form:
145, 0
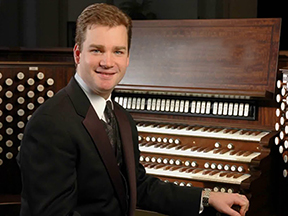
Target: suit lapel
128, 153
99, 136
97, 132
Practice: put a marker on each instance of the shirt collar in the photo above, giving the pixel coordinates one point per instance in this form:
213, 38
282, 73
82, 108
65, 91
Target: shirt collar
98, 102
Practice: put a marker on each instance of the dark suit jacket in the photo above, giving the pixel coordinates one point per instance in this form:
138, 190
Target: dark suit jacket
68, 166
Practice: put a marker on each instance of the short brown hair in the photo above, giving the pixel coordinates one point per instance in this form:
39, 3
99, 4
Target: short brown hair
101, 14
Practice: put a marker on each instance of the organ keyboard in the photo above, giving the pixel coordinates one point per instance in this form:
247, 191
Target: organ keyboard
202, 94
197, 174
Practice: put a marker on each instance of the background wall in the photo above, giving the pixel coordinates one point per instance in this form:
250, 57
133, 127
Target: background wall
46, 23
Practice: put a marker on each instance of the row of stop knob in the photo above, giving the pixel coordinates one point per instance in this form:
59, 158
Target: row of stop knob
188, 163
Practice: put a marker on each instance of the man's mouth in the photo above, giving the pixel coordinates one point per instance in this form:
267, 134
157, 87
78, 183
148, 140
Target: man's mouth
106, 73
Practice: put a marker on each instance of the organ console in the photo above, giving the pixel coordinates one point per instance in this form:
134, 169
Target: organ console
202, 93
27, 79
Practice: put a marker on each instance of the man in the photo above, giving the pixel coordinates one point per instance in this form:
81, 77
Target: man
69, 162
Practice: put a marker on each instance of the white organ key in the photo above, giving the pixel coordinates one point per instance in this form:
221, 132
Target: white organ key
198, 107
177, 104
167, 106
158, 104
199, 176
125, 102
225, 109
138, 103
208, 107
121, 101
241, 109
181, 106
230, 109
129, 103
193, 106
186, 106
133, 106
203, 107
116, 99
142, 104
235, 110
220, 108
246, 110
162, 108
153, 107
172, 106
215, 108
149, 104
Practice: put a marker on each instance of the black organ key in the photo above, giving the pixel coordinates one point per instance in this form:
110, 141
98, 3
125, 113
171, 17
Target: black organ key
201, 149
223, 151
214, 172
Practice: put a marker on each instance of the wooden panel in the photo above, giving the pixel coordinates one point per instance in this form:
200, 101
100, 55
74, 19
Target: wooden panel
235, 56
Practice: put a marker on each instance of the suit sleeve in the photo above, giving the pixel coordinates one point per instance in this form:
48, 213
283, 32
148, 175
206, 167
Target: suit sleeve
166, 198
47, 161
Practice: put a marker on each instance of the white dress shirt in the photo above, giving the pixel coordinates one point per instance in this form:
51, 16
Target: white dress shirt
98, 102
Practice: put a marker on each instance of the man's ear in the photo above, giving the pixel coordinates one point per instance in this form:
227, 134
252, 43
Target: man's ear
76, 53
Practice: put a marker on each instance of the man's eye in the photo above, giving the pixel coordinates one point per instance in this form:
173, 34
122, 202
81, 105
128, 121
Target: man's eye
96, 51
119, 52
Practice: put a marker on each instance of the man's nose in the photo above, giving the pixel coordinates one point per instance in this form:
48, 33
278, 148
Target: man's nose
107, 60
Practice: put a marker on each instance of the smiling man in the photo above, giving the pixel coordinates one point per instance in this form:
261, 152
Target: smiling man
80, 156
103, 58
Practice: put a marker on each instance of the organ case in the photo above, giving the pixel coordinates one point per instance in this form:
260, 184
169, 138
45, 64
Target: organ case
202, 95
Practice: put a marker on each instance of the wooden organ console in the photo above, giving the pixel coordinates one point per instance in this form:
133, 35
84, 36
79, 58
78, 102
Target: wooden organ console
27, 79
202, 93
281, 141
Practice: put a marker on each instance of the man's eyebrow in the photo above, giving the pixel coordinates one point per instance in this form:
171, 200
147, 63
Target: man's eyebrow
102, 47
120, 47
96, 46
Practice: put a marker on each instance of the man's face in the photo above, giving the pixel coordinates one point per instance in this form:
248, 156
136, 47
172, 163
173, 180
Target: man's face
104, 58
